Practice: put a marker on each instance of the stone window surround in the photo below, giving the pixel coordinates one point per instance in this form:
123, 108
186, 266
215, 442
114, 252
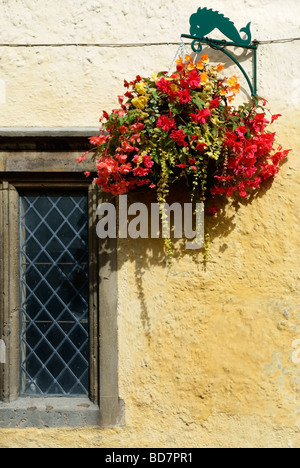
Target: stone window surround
36, 158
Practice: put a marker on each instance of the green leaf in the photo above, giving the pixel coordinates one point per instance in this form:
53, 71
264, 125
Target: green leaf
155, 157
198, 102
152, 119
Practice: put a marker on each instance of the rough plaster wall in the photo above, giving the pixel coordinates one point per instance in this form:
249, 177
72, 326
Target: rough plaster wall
205, 355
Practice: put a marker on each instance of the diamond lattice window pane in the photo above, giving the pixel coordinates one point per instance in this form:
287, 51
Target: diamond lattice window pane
54, 294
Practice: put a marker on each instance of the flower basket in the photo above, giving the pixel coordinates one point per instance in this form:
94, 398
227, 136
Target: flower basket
184, 127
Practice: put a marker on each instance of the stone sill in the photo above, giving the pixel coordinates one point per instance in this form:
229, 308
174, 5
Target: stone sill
49, 412
50, 132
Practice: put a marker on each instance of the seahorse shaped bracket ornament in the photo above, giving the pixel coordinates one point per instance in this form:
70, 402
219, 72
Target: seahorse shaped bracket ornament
207, 20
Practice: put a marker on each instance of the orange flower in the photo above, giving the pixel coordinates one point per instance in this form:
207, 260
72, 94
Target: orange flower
204, 78
205, 58
232, 81
220, 67
236, 88
200, 65
191, 66
179, 61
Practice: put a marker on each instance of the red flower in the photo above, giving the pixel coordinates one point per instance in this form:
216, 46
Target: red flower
279, 156
242, 190
138, 127
140, 171
127, 147
125, 168
179, 137
193, 79
241, 131
142, 182
106, 167
135, 138
181, 166
275, 117
121, 100
259, 123
254, 183
119, 188
250, 172
201, 147
122, 129
229, 191
105, 116
147, 161
81, 158
201, 117
98, 140
214, 103
165, 123
184, 96
122, 158
164, 87
269, 171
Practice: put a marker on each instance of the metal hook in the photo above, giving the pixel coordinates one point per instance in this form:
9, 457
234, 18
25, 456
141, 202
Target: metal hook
199, 48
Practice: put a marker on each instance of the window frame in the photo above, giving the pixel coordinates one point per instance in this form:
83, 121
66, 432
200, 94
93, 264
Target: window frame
104, 389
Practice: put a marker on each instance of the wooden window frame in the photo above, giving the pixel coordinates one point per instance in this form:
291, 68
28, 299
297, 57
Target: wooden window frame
59, 175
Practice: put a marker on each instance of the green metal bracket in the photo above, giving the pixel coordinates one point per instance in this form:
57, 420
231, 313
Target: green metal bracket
205, 21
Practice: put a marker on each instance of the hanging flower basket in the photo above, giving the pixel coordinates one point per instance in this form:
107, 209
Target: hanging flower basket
184, 127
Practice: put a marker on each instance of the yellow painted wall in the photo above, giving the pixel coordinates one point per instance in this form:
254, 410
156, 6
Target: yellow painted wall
205, 355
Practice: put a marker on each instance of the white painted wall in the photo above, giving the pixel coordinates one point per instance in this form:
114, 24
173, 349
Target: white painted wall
69, 86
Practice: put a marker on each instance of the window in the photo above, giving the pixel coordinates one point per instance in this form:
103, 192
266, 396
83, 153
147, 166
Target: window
54, 294
58, 289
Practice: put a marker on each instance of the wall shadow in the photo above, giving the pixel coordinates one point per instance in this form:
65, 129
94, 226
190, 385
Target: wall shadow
145, 254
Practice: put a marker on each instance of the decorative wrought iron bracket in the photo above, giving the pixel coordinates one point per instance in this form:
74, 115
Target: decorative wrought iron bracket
205, 21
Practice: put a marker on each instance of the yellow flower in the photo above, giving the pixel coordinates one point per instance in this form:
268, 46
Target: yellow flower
232, 81
141, 88
140, 102
155, 77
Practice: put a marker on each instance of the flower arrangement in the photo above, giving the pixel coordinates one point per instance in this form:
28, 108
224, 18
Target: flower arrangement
184, 126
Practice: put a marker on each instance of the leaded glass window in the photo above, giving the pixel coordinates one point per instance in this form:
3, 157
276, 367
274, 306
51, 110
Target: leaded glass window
54, 292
